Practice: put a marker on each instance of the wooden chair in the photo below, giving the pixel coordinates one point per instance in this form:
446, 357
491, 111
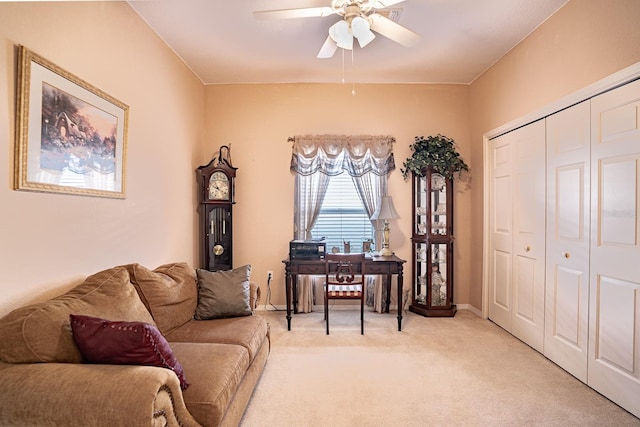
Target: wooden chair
344, 279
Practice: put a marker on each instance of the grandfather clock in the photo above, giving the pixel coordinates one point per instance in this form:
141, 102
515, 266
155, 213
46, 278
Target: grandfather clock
216, 197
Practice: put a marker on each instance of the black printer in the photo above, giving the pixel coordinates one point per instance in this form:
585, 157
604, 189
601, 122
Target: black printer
307, 249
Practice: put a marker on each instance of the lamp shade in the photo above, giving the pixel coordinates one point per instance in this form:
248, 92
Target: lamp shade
385, 209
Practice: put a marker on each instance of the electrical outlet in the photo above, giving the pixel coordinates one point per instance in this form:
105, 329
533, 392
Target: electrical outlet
269, 275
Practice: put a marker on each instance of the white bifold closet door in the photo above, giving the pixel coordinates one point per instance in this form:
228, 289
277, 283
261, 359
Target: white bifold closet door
566, 334
614, 306
517, 227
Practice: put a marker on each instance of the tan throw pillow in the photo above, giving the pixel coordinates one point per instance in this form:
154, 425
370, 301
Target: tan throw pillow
42, 333
223, 293
169, 292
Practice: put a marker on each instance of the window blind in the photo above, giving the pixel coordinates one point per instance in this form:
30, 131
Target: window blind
342, 216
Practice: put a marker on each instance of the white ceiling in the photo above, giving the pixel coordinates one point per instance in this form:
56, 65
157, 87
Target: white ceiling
222, 42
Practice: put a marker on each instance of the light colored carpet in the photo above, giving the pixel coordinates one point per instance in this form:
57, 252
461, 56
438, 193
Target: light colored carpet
460, 371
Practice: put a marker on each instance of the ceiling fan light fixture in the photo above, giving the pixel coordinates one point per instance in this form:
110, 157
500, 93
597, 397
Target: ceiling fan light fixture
366, 38
341, 34
361, 29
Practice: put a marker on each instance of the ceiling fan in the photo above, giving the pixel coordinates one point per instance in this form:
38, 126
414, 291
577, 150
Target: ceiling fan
360, 18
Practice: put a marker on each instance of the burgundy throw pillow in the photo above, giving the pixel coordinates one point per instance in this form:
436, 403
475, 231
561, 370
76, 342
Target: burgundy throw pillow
124, 343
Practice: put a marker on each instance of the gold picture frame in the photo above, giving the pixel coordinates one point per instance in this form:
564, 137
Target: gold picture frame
71, 137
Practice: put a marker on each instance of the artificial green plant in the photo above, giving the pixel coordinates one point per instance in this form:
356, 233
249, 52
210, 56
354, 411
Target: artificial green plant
437, 152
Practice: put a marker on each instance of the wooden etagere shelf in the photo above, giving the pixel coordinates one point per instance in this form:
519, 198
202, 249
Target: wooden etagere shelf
432, 242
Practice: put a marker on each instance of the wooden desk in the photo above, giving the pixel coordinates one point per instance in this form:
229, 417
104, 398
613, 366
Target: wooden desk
378, 265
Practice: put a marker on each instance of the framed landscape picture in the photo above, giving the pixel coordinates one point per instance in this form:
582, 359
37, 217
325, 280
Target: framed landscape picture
70, 136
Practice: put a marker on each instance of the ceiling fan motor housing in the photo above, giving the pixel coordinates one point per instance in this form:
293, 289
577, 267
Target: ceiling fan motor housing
352, 11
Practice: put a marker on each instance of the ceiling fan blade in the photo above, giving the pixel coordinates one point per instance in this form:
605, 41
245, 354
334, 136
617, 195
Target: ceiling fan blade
328, 48
381, 4
309, 12
393, 31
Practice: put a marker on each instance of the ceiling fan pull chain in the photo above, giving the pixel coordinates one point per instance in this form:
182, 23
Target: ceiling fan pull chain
343, 66
353, 80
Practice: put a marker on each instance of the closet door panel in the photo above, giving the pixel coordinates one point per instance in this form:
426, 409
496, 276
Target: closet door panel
517, 200
618, 202
567, 256
501, 229
567, 322
617, 303
529, 234
502, 283
614, 322
525, 284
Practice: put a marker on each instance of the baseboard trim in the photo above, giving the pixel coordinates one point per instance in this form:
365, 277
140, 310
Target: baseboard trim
470, 308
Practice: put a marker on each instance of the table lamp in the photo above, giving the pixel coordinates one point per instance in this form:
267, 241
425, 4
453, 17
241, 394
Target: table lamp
385, 211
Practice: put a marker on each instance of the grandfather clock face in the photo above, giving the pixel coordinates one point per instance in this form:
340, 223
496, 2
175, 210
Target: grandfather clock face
219, 187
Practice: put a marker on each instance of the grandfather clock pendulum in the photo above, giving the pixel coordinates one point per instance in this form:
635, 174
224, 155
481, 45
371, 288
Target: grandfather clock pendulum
216, 197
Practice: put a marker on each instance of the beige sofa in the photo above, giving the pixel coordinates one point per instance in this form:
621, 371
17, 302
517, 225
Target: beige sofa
45, 379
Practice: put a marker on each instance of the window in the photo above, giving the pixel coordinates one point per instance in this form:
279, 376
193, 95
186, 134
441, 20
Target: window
338, 214
342, 216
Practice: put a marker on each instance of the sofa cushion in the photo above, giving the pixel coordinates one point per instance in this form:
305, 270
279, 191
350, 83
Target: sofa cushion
248, 332
124, 343
216, 371
169, 292
41, 332
223, 293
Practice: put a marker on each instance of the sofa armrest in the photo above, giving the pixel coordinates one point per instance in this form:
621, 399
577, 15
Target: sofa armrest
254, 296
87, 394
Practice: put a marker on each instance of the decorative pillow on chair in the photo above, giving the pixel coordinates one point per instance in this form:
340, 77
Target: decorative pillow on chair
223, 293
124, 343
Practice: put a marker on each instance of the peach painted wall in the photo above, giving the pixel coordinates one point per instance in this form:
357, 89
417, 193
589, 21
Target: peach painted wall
257, 120
49, 241
584, 42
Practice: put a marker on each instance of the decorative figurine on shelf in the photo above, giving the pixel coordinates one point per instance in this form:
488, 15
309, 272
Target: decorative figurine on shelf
437, 182
437, 284
422, 281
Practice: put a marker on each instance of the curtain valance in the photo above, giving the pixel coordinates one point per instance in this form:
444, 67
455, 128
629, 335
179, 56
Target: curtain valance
333, 154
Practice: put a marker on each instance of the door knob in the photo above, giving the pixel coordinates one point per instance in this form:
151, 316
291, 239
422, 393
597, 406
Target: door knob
527, 248
566, 255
